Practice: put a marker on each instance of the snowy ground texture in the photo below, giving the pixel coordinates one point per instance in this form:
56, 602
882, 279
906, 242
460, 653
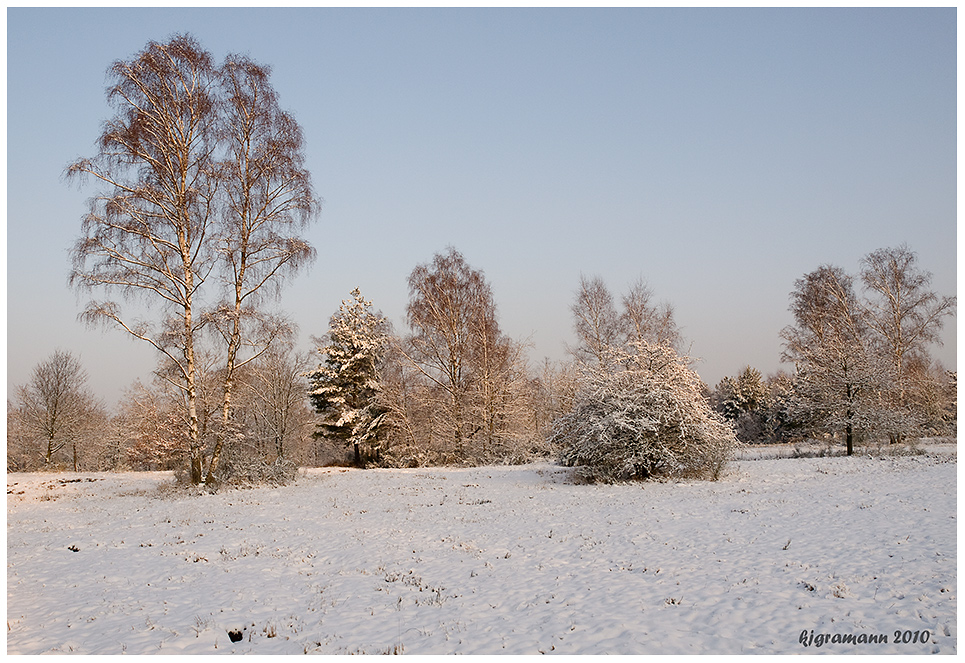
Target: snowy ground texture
514, 560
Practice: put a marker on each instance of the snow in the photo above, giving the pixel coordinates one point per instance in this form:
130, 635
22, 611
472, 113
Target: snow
515, 560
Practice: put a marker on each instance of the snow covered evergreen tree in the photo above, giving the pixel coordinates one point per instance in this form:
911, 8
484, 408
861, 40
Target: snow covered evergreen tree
345, 389
743, 401
642, 414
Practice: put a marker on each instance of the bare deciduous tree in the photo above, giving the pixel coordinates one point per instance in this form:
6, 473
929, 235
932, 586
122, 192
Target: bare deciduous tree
401, 394
151, 427
461, 392
864, 365
930, 391
837, 371
269, 199
448, 301
204, 174
904, 313
148, 235
19, 452
274, 387
601, 329
55, 410
645, 321
596, 321
554, 392
499, 381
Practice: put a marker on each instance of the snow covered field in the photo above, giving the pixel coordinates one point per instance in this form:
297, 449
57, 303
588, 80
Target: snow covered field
487, 560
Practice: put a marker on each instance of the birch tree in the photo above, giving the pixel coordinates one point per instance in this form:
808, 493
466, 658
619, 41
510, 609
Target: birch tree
275, 385
903, 312
837, 372
151, 427
203, 185
502, 394
269, 199
644, 320
600, 328
448, 301
596, 321
468, 389
148, 235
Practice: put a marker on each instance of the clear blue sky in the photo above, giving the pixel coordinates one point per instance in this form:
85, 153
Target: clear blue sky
720, 154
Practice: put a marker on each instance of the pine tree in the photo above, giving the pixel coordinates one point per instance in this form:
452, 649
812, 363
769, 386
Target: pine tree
345, 390
743, 401
727, 399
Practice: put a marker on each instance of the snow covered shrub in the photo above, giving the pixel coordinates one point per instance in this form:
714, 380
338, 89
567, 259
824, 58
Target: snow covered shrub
641, 414
242, 469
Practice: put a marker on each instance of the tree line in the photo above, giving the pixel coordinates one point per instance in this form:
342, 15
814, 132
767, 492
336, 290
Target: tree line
202, 201
454, 389
860, 351
54, 423
628, 403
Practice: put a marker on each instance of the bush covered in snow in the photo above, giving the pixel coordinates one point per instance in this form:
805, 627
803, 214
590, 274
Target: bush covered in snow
242, 470
641, 414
